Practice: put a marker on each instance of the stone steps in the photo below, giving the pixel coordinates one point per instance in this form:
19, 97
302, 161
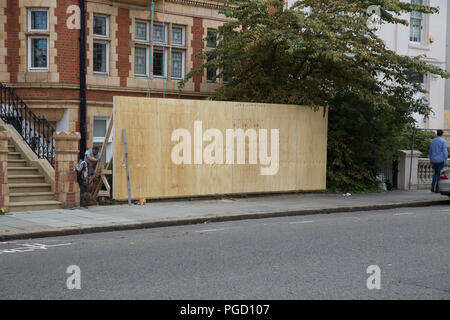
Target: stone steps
29, 187
34, 205
15, 171
28, 190
17, 163
22, 178
31, 196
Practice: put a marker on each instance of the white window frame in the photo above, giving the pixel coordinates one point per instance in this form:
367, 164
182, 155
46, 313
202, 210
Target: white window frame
107, 25
212, 48
424, 21
30, 67
217, 38
183, 36
30, 10
166, 33
183, 64
147, 31
102, 139
147, 58
107, 57
97, 139
165, 61
217, 76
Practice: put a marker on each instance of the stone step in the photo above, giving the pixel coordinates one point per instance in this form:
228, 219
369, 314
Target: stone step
28, 190
30, 196
17, 163
29, 187
21, 178
34, 205
22, 171
14, 155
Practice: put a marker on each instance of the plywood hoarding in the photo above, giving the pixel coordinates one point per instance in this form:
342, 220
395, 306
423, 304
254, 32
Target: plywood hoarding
195, 147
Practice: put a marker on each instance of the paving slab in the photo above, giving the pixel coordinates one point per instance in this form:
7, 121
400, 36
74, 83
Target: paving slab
47, 223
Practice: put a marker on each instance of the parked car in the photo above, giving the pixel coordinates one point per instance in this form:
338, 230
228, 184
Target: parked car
444, 182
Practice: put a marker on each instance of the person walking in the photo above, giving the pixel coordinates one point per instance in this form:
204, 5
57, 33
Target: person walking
438, 158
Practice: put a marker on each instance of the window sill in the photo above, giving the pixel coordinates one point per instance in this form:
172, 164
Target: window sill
101, 38
100, 140
96, 73
37, 33
418, 46
39, 70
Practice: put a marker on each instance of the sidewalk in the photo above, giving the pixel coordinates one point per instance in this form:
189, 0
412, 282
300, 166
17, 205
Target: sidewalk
35, 224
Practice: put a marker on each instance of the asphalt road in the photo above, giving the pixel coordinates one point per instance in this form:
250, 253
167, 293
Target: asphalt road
304, 257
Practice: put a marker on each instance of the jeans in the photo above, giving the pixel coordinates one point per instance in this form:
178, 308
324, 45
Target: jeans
437, 166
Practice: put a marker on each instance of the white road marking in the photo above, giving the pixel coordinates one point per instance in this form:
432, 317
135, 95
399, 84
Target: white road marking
403, 214
445, 210
27, 247
7, 242
270, 223
209, 230
297, 222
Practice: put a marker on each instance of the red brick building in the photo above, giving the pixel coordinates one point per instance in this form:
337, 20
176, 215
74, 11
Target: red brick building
40, 54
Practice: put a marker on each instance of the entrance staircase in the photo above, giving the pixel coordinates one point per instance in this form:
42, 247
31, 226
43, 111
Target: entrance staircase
30, 154
28, 190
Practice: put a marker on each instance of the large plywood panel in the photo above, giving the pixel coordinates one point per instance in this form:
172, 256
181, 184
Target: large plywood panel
150, 123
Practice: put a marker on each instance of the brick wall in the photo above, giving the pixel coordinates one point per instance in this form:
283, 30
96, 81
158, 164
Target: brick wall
124, 40
197, 47
67, 45
12, 42
4, 75
67, 190
92, 95
47, 94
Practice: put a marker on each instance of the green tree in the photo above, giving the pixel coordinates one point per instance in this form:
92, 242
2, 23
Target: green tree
323, 53
422, 139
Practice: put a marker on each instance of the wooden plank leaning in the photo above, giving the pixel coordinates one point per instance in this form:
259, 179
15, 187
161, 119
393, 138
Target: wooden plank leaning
98, 185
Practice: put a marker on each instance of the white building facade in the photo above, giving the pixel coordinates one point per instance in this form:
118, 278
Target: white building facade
425, 36
447, 82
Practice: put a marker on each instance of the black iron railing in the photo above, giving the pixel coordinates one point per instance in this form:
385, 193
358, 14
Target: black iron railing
36, 131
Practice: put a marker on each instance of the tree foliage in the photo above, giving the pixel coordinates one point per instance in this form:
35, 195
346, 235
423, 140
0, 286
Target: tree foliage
322, 53
422, 139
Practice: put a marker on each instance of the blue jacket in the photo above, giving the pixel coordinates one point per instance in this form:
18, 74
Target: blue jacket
438, 150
